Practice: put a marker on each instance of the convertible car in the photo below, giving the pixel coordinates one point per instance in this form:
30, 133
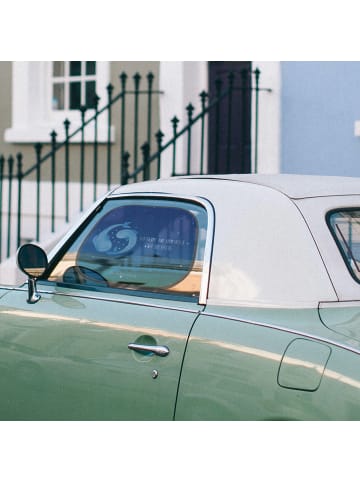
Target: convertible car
230, 297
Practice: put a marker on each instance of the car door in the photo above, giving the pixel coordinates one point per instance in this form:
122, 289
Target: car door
107, 338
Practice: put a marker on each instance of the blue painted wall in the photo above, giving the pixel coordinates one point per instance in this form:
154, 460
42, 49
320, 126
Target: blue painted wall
319, 106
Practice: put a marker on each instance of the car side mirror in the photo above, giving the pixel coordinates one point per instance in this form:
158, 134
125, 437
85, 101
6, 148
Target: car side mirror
32, 261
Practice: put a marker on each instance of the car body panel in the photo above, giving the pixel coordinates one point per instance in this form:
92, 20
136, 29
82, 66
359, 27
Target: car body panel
252, 370
343, 317
67, 357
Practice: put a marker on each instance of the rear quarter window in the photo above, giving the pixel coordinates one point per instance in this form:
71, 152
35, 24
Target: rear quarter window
344, 225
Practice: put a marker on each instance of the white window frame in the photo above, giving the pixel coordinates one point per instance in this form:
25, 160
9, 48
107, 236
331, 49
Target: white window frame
66, 80
33, 118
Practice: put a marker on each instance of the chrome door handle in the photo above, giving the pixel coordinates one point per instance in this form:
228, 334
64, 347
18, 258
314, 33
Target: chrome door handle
155, 349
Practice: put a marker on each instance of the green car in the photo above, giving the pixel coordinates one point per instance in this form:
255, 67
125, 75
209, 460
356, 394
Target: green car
230, 297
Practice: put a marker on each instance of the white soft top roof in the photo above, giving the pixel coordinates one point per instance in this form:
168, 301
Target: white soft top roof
295, 186
283, 216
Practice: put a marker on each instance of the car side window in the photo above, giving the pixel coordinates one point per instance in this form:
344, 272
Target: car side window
344, 225
155, 245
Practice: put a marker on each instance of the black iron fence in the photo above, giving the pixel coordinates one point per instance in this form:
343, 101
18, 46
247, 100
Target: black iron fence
142, 161
224, 94
73, 159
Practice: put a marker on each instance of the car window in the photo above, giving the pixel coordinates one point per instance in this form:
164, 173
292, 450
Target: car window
154, 245
345, 227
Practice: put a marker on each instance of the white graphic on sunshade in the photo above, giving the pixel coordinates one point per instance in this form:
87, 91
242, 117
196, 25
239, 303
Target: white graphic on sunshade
117, 239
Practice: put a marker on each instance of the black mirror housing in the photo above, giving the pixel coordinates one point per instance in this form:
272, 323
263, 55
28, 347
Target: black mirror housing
32, 260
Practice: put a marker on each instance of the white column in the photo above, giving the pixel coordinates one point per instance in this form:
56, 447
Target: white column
269, 120
181, 83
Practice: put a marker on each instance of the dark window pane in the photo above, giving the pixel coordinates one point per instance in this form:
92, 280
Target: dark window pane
139, 245
345, 227
90, 94
90, 68
75, 68
146, 246
58, 69
58, 97
75, 95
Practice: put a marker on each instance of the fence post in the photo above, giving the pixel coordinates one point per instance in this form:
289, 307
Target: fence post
96, 101
82, 157
146, 154
159, 135
150, 78
67, 125
123, 78
19, 158
137, 78
190, 110
10, 177
125, 168
175, 122
53, 178
110, 89
203, 97
38, 147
